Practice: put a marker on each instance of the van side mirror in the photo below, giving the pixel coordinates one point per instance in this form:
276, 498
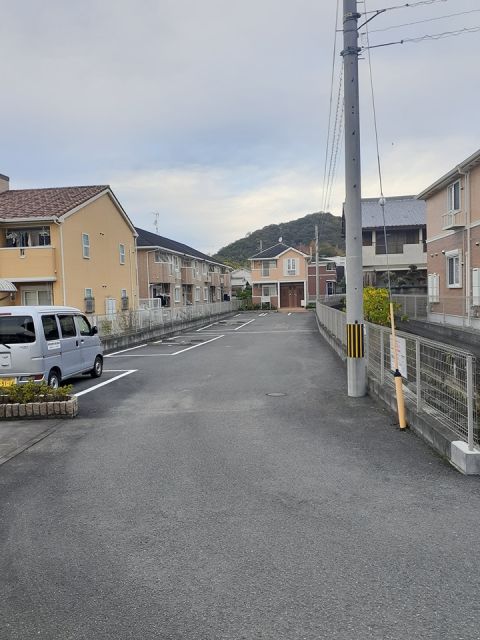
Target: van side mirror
94, 331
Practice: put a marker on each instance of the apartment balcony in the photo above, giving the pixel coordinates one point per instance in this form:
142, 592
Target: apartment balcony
453, 220
27, 262
214, 279
226, 280
161, 272
188, 275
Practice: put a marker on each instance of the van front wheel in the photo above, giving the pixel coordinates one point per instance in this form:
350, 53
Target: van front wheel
54, 379
96, 372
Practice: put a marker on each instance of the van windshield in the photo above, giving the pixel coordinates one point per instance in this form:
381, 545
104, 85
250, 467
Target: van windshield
16, 329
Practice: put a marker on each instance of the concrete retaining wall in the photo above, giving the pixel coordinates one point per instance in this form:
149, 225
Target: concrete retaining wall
112, 343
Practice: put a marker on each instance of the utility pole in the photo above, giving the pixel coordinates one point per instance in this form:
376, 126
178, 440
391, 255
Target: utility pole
356, 370
317, 288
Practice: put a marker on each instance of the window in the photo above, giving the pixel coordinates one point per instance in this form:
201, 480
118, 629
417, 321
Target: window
50, 328
367, 238
88, 293
67, 325
205, 294
16, 329
433, 287
177, 294
454, 197
34, 237
331, 287
86, 245
36, 295
331, 266
396, 238
122, 253
267, 265
124, 293
197, 294
84, 326
454, 272
269, 290
176, 263
290, 265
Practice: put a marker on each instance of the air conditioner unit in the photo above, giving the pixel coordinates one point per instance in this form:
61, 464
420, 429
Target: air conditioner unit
89, 305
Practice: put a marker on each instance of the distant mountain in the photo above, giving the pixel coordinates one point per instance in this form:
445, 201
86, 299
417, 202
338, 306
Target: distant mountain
298, 233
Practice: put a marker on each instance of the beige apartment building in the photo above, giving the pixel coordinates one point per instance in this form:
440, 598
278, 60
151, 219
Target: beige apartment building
279, 277
70, 246
453, 245
172, 274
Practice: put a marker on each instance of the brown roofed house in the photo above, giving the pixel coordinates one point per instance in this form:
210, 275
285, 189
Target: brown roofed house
66, 245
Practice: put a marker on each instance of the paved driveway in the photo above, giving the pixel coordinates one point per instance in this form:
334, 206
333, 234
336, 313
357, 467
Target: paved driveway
186, 502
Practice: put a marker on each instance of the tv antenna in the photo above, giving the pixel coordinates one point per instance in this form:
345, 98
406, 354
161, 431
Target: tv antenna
156, 215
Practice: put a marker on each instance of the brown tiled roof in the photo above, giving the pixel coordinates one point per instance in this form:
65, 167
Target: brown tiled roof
44, 203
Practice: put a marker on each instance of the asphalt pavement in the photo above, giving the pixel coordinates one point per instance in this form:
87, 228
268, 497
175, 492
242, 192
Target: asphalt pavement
225, 488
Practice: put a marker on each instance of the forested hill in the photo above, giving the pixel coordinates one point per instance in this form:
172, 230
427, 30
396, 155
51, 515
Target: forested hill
296, 233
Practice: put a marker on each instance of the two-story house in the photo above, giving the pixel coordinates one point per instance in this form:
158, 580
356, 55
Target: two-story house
394, 239
279, 277
68, 245
453, 245
171, 273
331, 270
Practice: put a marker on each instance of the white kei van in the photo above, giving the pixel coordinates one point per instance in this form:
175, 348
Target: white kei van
47, 343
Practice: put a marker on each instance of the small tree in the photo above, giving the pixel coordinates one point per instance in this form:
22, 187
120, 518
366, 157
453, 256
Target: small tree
376, 306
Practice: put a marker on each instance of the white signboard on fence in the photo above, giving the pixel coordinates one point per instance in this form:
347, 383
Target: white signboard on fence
401, 355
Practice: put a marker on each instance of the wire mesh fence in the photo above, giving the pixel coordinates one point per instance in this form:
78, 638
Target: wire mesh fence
438, 379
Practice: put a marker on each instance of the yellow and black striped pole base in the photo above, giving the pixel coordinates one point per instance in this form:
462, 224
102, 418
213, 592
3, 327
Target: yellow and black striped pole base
355, 341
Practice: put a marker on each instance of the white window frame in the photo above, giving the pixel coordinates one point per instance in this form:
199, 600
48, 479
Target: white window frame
177, 294
176, 263
290, 267
331, 266
121, 250
205, 294
269, 290
88, 293
123, 293
451, 197
333, 284
197, 294
454, 258
433, 287
86, 246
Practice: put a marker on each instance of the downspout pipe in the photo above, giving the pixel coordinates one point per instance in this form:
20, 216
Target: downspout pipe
59, 224
468, 261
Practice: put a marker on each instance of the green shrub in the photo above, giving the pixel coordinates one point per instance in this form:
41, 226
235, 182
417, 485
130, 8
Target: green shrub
34, 392
376, 306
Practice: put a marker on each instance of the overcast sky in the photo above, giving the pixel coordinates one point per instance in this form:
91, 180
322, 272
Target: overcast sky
215, 113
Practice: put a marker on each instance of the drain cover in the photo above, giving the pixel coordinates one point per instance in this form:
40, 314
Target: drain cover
276, 394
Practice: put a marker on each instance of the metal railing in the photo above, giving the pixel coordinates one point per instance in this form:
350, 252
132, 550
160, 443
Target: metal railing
439, 379
457, 311
130, 322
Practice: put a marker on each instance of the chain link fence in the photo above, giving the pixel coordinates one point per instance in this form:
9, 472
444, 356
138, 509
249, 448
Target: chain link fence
438, 379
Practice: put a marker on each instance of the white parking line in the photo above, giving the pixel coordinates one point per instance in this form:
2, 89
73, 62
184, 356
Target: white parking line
208, 325
244, 324
200, 344
109, 355
102, 384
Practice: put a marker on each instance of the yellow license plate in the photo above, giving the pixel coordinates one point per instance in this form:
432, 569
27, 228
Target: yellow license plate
6, 382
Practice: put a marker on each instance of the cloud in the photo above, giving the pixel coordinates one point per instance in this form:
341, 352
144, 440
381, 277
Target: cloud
210, 207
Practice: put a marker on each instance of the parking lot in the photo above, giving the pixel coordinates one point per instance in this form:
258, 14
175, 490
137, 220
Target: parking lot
221, 485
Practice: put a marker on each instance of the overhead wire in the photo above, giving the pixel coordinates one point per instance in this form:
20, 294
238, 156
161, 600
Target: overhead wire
409, 24
406, 5
327, 146
434, 36
379, 164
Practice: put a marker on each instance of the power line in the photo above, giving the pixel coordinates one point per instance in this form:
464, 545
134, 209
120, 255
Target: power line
407, 5
408, 24
434, 36
331, 104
